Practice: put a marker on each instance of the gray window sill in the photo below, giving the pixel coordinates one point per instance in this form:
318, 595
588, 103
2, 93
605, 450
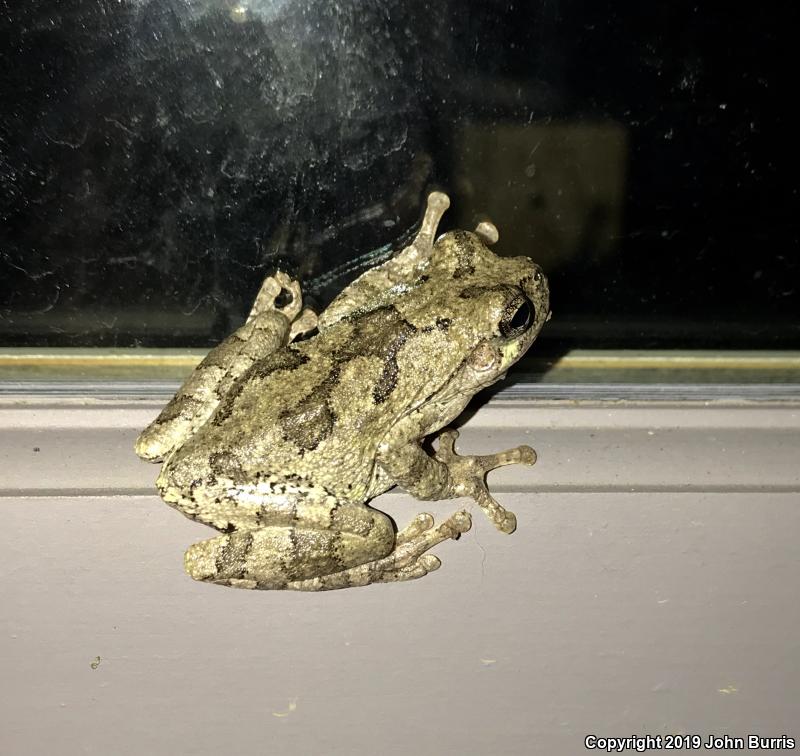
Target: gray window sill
606, 438
650, 588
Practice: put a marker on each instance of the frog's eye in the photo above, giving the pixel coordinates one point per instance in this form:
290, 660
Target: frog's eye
517, 317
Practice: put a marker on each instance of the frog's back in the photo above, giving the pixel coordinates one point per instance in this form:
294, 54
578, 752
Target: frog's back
296, 413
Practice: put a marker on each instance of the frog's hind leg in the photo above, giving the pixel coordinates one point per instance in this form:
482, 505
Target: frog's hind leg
408, 561
271, 549
268, 328
313, 559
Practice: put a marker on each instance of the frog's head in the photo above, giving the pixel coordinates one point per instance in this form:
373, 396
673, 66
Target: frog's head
494, 307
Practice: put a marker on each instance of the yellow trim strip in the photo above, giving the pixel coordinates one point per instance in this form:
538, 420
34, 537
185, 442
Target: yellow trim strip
99, 360
579, 359
681, 361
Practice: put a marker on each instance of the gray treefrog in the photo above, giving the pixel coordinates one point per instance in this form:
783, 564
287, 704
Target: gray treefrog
280, 443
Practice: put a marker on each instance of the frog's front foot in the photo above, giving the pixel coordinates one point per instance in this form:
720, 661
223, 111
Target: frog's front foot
468, 474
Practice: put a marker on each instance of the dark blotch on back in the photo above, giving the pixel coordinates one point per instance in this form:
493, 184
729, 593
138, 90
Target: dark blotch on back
311, 420
442, 324
383, 326
381, 333
226, 465
182, 404
284, 359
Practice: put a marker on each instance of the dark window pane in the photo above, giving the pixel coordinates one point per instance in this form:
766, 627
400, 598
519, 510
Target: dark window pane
158, 159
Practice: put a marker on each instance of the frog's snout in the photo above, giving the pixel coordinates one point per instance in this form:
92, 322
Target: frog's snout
537, 289
534, 281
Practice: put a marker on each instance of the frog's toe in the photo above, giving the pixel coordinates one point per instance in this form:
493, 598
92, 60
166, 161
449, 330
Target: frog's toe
305, 323
417, 526
421, 567
487, 232
460, 522
290, 291
507, 523
425, 564
284, 279
429, 562
447, 445
502, 519
278, 293
519, 455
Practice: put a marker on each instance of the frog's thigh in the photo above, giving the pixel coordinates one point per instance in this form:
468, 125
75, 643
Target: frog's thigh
273, 556
200, 395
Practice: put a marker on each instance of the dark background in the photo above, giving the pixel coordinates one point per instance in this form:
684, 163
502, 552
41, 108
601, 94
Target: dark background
158, 159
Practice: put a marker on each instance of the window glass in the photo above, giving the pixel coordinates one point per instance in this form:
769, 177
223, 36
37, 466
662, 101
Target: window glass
159, 158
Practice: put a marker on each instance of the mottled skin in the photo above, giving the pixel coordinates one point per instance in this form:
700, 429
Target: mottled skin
280, 444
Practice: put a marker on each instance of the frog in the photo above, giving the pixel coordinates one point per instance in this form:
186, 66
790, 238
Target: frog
287, 430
